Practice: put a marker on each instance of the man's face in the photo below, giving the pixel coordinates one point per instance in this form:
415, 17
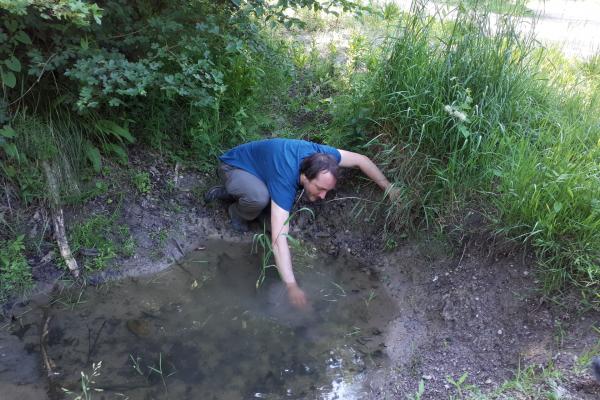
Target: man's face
318, 187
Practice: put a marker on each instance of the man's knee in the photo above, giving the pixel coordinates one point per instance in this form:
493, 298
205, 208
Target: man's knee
255, 199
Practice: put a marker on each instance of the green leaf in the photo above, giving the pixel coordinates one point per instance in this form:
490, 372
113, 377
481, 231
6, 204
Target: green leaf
22, 37
13, 64
93, 154
10, 149
8, 79
557, 207
11, 25
8, 132
9, 170
118, 151
465, 132
105, 126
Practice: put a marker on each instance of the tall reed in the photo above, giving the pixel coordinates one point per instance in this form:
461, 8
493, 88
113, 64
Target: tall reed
463, 109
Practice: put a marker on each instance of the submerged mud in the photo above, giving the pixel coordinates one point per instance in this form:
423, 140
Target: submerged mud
202, 329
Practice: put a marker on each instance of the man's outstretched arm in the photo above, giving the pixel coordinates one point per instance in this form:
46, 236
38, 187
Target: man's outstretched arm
368, 167
283, 257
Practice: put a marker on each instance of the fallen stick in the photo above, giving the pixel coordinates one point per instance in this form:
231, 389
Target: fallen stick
58, 220
48, 363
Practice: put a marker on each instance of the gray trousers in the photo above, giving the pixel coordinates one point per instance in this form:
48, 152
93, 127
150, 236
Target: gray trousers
250, 193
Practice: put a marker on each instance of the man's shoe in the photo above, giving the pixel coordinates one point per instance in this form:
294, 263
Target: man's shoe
217, 193
237, 223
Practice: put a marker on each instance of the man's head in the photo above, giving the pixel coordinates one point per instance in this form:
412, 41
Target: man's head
318, 175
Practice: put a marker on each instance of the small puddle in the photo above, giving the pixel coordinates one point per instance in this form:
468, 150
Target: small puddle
202, 330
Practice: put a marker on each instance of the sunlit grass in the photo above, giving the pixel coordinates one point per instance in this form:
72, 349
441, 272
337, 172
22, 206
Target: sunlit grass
461, 111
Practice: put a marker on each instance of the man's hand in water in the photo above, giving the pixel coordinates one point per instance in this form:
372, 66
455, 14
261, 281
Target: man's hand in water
296, 295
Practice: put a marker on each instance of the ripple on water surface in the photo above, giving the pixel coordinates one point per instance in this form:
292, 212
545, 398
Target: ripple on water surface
202, 330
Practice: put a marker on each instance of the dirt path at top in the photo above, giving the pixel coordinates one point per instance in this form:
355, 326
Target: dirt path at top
572, 25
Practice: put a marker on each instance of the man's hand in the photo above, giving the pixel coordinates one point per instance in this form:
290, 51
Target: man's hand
393, 193
296, 295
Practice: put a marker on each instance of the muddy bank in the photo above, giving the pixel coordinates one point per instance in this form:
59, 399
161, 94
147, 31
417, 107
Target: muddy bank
462, 305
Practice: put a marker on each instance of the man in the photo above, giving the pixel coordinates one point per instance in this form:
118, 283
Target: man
265, 172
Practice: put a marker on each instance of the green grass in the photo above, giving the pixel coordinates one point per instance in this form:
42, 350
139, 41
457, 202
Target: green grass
99, 240
141, 181
460, 115
15, 272
531, 383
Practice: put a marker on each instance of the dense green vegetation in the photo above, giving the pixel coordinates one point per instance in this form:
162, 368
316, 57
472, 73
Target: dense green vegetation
467, 115
463, 114
82, 81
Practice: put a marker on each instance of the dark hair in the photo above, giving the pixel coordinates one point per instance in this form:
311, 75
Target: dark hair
313, 165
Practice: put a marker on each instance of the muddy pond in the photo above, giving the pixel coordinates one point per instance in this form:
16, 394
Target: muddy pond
203, 330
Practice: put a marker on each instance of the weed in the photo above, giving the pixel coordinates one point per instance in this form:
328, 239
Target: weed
129, 244
160, 372
529, 382
419, 393
99, 240
459, 385
141, 181
87, 383
340, 288
160, 240
70, 300
15, 273
391, 11
584, 360
136, 364
370, 297
559, 333
390, 244
354, 332
263, 241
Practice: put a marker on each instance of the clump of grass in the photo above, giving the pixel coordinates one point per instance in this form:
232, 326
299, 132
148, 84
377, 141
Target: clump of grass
15, 273
462, 111
99, 240
141, 181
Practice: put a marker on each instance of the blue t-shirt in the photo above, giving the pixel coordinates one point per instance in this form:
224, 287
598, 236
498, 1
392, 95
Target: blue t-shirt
277, 163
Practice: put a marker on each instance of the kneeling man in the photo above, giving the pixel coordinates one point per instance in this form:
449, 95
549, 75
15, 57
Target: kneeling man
270, 172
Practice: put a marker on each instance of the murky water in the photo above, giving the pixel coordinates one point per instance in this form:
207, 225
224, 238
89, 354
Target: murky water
201, 330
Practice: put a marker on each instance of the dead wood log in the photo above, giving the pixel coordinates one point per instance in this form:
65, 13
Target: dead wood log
58, 220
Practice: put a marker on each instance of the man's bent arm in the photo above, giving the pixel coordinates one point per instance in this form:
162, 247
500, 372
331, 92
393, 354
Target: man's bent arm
368, 167
283, 257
